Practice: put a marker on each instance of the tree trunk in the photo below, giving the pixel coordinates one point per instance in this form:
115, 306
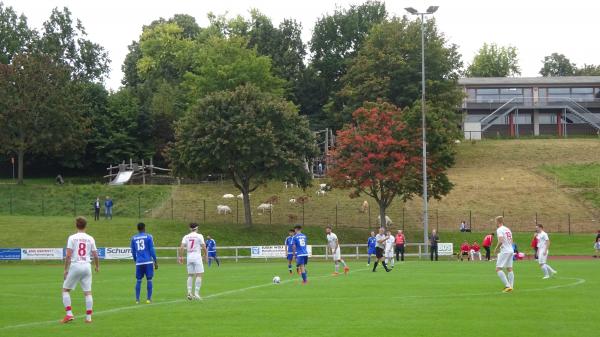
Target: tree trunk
20, 155
382, 208
247, 207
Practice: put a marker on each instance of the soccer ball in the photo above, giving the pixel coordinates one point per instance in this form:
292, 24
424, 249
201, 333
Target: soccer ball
276, 280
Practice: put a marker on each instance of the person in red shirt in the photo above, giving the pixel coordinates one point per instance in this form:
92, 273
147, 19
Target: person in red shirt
464, 250
534, 243
487, 243
475, 251
400, 241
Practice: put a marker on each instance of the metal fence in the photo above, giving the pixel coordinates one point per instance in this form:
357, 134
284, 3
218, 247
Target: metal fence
336, 213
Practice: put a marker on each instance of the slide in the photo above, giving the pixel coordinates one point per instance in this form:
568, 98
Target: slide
122, 178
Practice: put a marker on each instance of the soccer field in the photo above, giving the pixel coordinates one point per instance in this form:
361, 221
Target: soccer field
417, 298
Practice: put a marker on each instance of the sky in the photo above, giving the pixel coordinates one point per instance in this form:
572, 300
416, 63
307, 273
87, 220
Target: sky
537, 28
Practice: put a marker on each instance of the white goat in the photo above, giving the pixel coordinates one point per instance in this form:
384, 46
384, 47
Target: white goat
321, 193
223, 209
388, 221
265, 207
228, 196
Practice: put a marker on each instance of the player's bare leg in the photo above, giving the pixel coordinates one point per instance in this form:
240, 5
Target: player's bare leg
66, 297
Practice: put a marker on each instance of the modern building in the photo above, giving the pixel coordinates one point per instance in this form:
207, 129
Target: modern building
530, 106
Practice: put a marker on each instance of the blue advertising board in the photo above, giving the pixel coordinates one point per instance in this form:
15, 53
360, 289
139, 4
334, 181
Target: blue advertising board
10, 253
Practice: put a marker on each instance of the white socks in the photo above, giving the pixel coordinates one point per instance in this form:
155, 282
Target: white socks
89, 303
502, 277
198, 285
343, 263
190, 281
66, 297
337, 267
550, 269
511, 279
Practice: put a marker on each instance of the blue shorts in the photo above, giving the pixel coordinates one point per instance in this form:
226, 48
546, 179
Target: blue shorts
371, 251
301, 260
290, 256
212, 254
144, 269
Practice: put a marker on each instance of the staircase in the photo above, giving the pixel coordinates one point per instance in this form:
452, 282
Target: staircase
501, 112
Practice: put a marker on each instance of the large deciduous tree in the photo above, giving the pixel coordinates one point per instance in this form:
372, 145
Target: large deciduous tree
379, 155
15, 35
557, 65
495, 61
40, 109
250, 135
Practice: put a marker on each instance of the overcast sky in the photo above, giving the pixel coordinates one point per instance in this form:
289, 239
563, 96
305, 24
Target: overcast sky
537, 28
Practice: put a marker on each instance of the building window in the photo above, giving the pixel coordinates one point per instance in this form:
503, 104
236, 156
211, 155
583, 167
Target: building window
487, 95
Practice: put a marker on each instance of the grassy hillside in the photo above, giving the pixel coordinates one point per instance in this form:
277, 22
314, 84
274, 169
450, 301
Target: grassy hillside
24, 231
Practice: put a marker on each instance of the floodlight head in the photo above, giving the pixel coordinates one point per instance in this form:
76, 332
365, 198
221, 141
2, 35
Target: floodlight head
412, 10
432, 9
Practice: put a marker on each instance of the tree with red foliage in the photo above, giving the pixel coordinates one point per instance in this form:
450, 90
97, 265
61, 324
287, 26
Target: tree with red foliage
378, 154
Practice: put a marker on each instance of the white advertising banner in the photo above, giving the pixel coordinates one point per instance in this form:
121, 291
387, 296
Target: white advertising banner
41, 254
118, 253
263, 252
445, 249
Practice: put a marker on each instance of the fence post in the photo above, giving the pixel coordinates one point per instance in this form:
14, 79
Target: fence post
369, 212
470, 220
437, 220
303, 214
172, 211
204, 209
536, 220
357, 253
336, 214
139, 206
403, 210
569, 218
237, 210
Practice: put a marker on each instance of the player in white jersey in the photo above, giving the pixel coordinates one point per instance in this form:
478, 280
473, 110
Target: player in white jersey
543, 244
505, 257
333, 245
194, 244
389, 249
78, 269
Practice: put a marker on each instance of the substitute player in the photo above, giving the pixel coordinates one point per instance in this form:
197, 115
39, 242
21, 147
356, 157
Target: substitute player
144, 256
211, 247
78, 269
289, 248
389, 249
505, 257
543, 244
334, 247
301, 252
371, 243
194, 244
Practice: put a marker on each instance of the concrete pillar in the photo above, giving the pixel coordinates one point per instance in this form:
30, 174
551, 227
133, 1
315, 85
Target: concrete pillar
536, 122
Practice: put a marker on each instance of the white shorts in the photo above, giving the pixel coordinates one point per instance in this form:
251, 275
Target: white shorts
79, 273
337, 256
542, 258
195, 267
389, 254
505, 260
597, 245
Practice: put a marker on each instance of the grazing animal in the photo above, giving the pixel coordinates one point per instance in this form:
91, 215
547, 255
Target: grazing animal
388, 221
228, 196
272, 200
321, 193
264, 208
302, 200
322, 187
240, 196
292, 201
364, 207
223, 209
292, 218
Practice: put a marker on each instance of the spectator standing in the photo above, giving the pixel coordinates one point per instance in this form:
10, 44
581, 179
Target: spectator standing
400, 241
108, 206
97, 209
534, 245
463, 226
434, 239
487, 243
597, 245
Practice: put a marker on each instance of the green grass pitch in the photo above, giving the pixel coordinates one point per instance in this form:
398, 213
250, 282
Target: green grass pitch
418, 298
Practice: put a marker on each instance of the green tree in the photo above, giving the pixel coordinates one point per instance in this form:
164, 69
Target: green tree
388, 66
15, 35
40, 109
588, 70
557, 65
335, 41
494, 61
248, 134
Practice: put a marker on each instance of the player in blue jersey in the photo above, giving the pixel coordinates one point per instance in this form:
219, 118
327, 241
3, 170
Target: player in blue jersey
289, 249
301, 251
371, 242
144, 256
211, 247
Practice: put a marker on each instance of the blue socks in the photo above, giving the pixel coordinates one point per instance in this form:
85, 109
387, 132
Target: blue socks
304, 277
149, 288
369, 260
138, 286
209, 261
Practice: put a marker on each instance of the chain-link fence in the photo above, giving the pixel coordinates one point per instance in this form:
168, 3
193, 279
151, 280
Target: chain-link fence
338, 214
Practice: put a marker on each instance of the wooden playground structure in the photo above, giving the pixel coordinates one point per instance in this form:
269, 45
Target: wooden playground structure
136, 173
